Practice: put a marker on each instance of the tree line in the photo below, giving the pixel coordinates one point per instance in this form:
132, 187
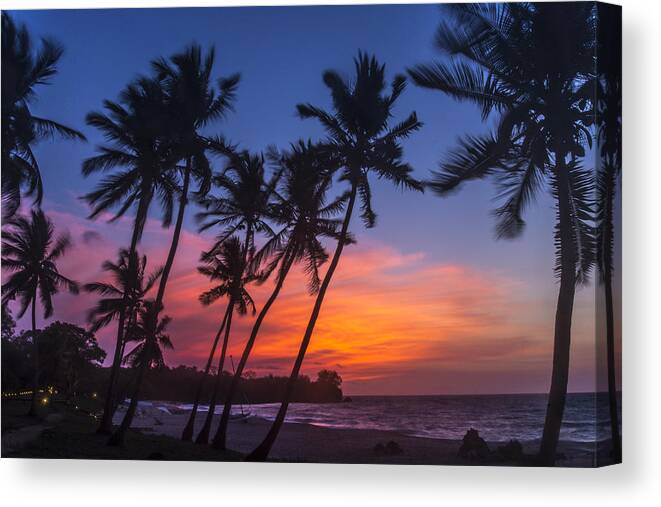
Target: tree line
532, 68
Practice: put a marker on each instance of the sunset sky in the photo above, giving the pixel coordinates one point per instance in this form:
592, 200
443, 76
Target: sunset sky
427, 302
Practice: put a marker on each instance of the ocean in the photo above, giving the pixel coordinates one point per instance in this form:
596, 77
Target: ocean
496, 417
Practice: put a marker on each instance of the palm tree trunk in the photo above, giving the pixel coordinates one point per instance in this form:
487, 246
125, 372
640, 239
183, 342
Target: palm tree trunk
35, 359
187, 434
105, 427
203, 436
612, 385
219, 440
563, 319
118, 437
607, 263
262, 451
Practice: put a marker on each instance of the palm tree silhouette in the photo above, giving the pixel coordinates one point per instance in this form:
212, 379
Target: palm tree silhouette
243, 205
145, 154
533, 65
23, 70
609, 124
131, 286
30, 254
150, 334
305, 217
228, 268
360, 142
191, 104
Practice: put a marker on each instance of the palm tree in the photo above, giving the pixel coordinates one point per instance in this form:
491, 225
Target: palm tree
30, 254
125, 297
609, 124
228, 267
243, 205
23, 70
192, 103
118, 296
140, 146
360, 142
532, 64
305, 216
150, 334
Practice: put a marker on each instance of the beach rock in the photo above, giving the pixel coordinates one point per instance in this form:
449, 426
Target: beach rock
473, 446
511, 451
393, 448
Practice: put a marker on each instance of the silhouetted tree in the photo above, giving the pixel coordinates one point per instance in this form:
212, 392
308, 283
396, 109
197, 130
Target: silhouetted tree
228, 267
125, 298
609, 124
360, 141
192, 103
24, 68
142, 152
66, 353
242, 205
149, 332
533, 65
30, 253
305, 217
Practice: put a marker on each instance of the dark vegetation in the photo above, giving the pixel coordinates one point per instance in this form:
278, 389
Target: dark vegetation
70, 363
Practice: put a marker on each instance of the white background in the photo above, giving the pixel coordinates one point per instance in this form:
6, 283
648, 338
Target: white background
636, 482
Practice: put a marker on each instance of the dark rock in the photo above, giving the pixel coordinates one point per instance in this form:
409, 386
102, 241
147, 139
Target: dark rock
511, 451
393, 448
473, 446
347, 399
156, 456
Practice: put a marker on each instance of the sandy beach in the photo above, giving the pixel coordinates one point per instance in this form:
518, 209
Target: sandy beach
309, 443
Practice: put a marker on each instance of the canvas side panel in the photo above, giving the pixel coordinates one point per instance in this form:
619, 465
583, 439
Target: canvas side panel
608, 272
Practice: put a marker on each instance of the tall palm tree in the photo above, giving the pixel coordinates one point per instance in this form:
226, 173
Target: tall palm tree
305, 217
228, 268
149, 332
360, 142
30, 253
130, 288
142, 150
531, 64
242, 205
609, 124
192, 103
125, 298
24, 68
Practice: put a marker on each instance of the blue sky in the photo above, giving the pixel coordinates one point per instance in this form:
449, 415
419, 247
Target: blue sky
281, 54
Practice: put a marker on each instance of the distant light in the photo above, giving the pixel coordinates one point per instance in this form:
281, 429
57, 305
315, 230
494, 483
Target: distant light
93, 395
44, 401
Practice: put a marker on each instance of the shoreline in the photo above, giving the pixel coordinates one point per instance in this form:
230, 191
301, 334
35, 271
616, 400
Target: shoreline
303, 442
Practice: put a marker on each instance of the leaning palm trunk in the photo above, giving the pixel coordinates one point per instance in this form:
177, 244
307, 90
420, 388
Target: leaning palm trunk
563, 318
35, 359
607, 225
203, 436
187, 434
105, 427
262, 451
118, 437
220, 439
